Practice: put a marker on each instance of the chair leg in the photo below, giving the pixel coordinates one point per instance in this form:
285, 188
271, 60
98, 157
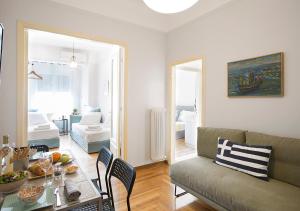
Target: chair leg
179, 194
128, 204
111, 194
99, 178
107, 186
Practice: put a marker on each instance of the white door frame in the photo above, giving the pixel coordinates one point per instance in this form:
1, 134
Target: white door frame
22, 79
172, 100
117, 138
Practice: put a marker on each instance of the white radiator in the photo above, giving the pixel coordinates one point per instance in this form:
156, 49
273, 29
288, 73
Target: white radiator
158, 139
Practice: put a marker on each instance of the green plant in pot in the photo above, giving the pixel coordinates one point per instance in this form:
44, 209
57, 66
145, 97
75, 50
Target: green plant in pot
75, 111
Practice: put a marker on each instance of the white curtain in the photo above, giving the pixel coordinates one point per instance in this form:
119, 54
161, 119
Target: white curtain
57, 92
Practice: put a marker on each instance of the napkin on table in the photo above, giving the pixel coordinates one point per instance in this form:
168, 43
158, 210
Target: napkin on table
71, 191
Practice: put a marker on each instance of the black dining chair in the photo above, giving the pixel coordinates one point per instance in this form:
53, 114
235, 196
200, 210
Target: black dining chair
105, 157
124, 172
40, 148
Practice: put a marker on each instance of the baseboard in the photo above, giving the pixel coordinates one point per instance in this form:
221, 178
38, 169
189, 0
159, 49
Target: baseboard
151, 164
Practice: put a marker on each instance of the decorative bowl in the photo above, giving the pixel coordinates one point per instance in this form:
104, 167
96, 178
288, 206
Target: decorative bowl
12, 186
12, 181
30, 194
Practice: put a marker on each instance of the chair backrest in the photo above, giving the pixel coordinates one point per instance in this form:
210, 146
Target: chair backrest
126, 174
105, 156
40, 148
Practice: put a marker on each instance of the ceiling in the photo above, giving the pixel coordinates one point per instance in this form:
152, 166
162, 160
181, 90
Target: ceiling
136, 12
43, 38
51, 47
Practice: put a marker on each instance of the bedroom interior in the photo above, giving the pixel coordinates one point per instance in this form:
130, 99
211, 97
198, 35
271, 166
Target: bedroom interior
149, 105
187, 108
71, 88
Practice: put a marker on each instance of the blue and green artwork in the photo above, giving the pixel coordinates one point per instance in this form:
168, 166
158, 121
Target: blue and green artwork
261, 76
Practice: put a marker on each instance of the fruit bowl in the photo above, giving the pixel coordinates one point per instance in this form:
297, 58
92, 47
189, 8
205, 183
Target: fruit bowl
61, 158
56, 157
12, 182
30, 194
65, 159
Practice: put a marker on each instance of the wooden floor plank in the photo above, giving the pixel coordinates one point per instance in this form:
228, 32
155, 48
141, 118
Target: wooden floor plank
183, 151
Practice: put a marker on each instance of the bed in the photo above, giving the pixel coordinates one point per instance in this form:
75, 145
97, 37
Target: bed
180, 120
89, 141
48, 135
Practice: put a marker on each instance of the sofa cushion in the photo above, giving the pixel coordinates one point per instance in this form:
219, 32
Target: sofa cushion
208, 139
285, 159
252, 160
234, 190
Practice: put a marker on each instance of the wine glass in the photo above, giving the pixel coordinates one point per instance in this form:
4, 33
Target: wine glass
45, 162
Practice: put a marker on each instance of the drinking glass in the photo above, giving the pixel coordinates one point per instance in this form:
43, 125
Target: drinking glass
45, 162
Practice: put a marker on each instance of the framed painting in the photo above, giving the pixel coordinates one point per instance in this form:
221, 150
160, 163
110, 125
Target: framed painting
256, 77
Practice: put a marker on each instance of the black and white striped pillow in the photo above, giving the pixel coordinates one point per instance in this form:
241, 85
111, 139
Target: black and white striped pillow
253, 160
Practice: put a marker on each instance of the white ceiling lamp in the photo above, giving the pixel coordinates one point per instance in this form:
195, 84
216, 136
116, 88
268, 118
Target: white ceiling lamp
169, 6
73, 63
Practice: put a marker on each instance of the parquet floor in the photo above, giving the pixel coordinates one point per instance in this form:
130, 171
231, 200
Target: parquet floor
183, 151
152, 189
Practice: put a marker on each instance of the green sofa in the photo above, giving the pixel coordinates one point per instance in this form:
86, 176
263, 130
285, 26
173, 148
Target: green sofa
227, 189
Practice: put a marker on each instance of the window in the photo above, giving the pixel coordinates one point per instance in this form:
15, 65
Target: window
54, 93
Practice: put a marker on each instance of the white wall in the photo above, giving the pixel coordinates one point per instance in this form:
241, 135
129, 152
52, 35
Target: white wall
239, 30
186, 87
104, 73
146, 61
95, 80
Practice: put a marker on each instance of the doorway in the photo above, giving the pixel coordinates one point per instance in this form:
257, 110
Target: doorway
59, 70
186, 108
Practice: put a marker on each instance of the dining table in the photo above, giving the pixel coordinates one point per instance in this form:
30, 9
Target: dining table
89, 194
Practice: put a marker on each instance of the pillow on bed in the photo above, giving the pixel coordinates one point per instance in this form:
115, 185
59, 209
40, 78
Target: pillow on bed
187, 116
36, 118
177, 113
92, 118
95, 109
98, 110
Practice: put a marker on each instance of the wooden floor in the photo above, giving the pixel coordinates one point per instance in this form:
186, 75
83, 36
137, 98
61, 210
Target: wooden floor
152, 189
183, 151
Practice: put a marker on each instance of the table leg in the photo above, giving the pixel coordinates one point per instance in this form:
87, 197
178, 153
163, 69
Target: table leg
67, 126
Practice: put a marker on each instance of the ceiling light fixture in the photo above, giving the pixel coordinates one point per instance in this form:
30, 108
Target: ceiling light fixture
169, 6
73, 63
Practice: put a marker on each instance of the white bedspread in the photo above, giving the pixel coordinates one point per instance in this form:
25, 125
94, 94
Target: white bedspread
91, 136
33, 134
180, 126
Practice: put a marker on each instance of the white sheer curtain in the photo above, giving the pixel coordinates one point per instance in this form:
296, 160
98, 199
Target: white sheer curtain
55, 93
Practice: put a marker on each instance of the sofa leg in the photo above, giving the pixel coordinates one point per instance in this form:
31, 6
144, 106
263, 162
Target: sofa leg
179, 194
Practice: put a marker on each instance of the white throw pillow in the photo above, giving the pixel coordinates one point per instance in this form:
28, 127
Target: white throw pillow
92, 118
187, 116
36, 118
